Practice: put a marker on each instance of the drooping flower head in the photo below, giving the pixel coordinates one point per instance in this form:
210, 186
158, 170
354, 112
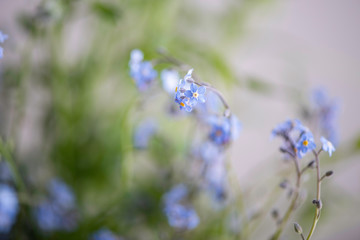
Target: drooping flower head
305, 144
9, 207
327, 146
188, 94
141, 71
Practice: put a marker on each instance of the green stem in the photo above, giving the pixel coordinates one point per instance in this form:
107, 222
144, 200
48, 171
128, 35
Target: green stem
318, 191
10, 160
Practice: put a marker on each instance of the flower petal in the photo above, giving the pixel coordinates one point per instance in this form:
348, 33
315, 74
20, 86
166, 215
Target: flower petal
188, 93
201, 90
193, 87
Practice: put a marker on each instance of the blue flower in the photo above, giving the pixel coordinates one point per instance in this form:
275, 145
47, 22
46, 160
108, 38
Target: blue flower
58, 211
9, 208
142, 72
169, 80
327, 146
61, 194
327, 112
224, 129
104, 234
187, 94
143, 133
176, 194
181, 217
3, 37
306, 143
178, 215
196, 94
282, 128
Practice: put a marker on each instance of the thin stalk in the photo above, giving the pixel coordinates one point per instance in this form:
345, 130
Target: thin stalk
292, 205
318, 192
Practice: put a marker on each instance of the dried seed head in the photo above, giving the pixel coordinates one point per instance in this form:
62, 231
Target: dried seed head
329, 173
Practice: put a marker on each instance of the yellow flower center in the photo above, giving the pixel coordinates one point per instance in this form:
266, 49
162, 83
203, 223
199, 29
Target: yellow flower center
305, 142
176, 89
195, 94
182, 104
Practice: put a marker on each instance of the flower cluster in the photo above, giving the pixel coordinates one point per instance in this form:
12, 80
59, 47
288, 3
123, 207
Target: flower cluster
141, 71
3, 37
298, 139
188, 93
178, 214
58, 211
9, 207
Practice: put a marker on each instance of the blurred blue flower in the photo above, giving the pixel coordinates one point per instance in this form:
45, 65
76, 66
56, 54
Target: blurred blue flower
224, 129
178, 215
58, 211
61, 194
306, 143
169, 80
3, 37
176, 194
143, 133
196, 94
209, 152
282, 128
142, 72
327, 112
9, 207
182, 217
327, 146
104, 234
5, 172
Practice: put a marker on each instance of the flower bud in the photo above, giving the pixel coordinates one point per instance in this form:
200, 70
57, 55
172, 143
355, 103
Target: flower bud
329, 173
297, 228
311, 164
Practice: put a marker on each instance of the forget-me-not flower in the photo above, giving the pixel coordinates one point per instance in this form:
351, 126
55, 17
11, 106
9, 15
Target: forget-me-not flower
187, 93
182, 217
305, 144
327, 112
327, 146
9, 207
224, 129
58, 211
196, 94
141, 71
179, 215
